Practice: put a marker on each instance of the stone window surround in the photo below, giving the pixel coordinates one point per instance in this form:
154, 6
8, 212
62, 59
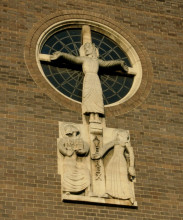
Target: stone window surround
120, 34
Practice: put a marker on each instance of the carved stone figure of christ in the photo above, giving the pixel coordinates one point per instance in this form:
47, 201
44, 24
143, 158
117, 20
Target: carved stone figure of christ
92, 97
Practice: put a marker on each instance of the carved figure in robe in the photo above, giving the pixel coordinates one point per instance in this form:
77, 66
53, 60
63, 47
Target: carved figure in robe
92, 97
119, 171
76, 176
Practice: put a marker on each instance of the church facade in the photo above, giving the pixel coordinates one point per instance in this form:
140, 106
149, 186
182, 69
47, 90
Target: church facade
147, 104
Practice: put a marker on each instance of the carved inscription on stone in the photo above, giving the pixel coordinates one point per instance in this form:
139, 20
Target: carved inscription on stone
97, 164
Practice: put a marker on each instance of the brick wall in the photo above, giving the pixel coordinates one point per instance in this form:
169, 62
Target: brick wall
29, 183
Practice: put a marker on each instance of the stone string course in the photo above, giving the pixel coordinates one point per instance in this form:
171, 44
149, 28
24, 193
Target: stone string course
29, 183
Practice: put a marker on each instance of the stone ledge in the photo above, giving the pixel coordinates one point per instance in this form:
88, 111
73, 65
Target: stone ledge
98, 200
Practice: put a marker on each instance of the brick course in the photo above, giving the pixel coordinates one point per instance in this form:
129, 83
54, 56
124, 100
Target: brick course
29, 183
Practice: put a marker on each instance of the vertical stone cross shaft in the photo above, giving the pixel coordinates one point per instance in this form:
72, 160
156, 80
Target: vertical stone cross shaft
86, 34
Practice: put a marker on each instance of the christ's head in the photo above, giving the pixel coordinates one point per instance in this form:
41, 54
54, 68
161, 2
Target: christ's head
89, 49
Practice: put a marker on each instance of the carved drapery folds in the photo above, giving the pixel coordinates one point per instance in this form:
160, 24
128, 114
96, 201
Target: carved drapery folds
75, 177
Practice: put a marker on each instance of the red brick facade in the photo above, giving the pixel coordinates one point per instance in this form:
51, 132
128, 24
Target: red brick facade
29, 183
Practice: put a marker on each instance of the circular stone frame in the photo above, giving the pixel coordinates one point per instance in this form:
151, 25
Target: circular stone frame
120, 34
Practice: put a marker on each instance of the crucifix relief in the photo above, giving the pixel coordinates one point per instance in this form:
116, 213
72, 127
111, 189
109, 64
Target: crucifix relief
92, 98
96, 163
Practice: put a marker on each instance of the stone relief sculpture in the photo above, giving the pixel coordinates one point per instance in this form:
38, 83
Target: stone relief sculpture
96, 163
120, 170
76, 176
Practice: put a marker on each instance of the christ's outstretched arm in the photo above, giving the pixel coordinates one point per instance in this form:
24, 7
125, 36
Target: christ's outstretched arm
58, 54
117, 63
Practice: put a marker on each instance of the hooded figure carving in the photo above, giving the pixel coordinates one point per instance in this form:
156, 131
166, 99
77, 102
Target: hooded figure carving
76, 176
